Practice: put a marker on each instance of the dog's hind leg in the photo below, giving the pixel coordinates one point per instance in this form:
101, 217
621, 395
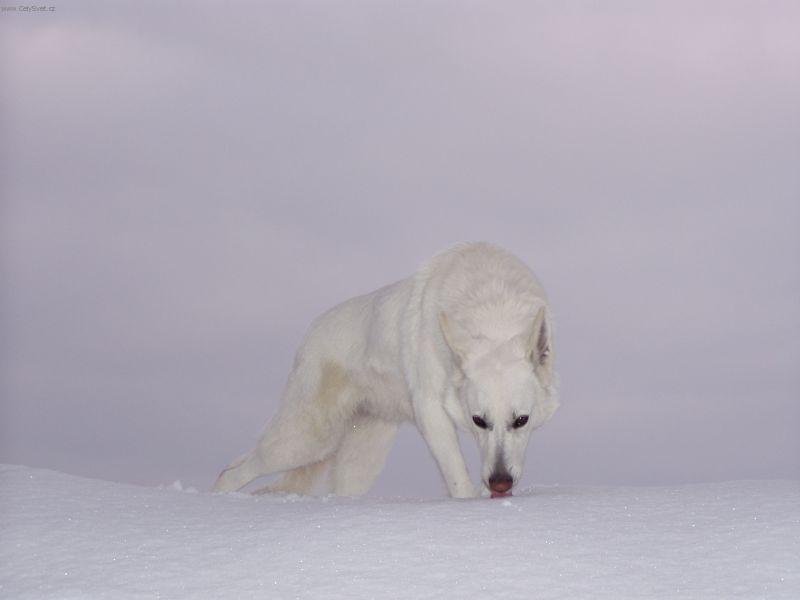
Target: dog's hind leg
298, 479
302, 480
360, 457
239, 473
317, 407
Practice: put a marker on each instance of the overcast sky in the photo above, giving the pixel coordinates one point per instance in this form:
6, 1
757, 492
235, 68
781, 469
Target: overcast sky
187, 184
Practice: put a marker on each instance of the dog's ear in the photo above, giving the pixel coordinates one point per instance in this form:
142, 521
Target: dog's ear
538, 347
455, 336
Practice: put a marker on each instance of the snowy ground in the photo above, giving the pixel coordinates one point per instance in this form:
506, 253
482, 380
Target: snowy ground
66, 537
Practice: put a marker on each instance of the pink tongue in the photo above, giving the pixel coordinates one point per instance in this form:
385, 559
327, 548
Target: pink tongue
500, 494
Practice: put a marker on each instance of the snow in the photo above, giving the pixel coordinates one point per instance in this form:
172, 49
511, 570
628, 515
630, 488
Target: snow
66, 537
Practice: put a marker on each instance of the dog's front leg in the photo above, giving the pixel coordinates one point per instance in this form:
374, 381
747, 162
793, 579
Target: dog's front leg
440, 433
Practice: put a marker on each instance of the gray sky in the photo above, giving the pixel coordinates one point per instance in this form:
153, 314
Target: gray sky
186, 185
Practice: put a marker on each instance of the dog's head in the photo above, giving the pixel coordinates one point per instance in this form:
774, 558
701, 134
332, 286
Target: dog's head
506, 389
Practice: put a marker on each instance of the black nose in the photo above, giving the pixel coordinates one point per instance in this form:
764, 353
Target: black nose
500, 482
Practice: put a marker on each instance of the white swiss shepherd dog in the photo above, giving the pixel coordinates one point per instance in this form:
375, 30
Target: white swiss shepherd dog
467, 341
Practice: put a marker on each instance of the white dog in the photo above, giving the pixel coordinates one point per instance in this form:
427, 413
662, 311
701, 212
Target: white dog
465, 342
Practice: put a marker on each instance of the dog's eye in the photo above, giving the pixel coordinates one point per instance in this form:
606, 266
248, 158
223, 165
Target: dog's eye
479, 422
520, 421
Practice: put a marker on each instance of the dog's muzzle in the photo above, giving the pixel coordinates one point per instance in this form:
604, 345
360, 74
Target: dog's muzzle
500, 484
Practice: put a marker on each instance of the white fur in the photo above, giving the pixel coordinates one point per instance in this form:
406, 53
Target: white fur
470, 333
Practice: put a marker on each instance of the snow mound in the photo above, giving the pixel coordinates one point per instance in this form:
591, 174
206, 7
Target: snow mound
67, 537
